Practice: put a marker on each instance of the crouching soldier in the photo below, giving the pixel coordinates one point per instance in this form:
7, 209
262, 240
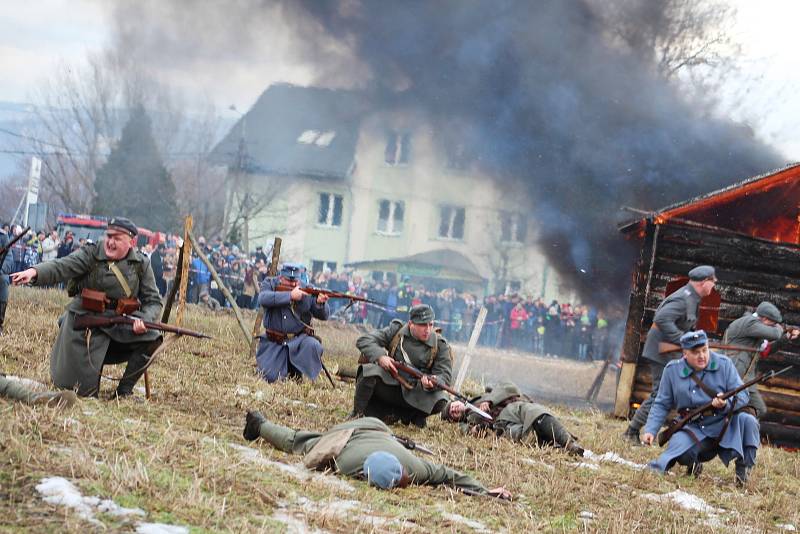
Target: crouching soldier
727, 432
362, 448
289, 347
516, 417
114, 267
381, 392
16, 390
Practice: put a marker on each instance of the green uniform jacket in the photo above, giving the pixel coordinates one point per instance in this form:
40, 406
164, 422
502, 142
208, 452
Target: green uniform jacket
373, 435
515, 420
377, 343
70, 364
748, 331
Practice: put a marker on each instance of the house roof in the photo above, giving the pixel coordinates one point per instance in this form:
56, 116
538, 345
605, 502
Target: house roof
765, 206
293, 130
439, 263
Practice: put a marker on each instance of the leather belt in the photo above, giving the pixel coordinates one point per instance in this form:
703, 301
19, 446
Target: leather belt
283, 337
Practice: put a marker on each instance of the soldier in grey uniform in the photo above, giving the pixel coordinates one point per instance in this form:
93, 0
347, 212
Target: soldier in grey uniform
16, 390
115, 267
676, 315
751, 330
362, 448
6, 268
515, 416
381, 392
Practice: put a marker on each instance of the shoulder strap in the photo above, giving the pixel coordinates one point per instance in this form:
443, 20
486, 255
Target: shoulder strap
710, 392
395, 342
433, 353
120, 278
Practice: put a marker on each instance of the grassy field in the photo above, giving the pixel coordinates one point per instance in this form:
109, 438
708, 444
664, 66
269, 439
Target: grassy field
181, 460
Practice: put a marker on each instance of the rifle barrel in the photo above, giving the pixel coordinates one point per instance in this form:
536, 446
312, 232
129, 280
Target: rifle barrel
94, 321
4, 250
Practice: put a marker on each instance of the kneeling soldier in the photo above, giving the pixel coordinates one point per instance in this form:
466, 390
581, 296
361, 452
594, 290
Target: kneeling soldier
515, 416
727, 432
381, 392
362, 448
113, 267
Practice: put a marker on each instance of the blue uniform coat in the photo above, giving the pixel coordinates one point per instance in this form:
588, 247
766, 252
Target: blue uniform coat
678, 390
303, 351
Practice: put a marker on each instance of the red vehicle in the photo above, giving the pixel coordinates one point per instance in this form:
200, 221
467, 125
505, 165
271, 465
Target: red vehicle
93, 227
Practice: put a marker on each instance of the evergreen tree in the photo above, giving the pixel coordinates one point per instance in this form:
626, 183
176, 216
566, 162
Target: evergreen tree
134, 182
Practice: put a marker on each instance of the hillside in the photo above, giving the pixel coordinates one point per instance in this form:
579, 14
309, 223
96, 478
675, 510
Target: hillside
180, 460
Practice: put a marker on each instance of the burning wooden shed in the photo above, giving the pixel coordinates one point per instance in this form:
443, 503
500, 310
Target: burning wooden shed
750, 232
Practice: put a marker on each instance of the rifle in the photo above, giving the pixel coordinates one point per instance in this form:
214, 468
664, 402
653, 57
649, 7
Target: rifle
411, 445
694, 414
82, 322
316, 291
4, 250
416, 373
764, 349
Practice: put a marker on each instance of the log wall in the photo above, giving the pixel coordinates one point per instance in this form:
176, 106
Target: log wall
749, 271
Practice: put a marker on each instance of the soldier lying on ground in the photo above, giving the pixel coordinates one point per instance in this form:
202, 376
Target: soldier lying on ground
728, 432
515, 416
379, 393
18, 391
362, 448
114, 267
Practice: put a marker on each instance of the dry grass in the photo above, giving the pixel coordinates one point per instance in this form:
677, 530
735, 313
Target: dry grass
180, 457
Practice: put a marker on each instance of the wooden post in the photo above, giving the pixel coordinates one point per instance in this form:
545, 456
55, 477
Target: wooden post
222, 288
473, 341
271, 271
187, 260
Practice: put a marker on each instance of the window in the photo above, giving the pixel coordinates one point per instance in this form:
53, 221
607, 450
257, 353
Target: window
451, 222
398, 148
390, 216
318, 266
330, 209
513, 227
316, 137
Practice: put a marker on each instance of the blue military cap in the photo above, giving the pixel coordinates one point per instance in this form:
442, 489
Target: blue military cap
702, 272
691, 340
769, 311
383, 469
291, 271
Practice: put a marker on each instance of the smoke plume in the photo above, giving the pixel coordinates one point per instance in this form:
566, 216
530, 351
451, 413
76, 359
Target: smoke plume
588, 125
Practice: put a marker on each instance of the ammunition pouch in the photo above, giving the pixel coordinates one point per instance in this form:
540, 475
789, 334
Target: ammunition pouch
97, 301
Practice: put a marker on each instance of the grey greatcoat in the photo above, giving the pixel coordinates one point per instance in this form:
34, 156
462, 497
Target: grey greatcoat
675, 316
411, 351
515, 419
6, 268
282, 315
71, 363
749, 331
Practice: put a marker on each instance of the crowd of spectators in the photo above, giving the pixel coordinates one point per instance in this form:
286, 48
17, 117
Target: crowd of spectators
513, 321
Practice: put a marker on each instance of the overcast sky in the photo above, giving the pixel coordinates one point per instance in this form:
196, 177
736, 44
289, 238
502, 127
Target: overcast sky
35, 35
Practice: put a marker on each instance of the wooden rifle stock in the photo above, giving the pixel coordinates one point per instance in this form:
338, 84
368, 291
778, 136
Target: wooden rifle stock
664, 436
82, 322
664, 347
4, 250
416, 373
315, 291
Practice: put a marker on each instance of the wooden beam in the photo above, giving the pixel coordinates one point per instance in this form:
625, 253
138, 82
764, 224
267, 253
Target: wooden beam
272, 270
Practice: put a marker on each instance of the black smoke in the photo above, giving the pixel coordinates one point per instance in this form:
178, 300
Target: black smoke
589, 126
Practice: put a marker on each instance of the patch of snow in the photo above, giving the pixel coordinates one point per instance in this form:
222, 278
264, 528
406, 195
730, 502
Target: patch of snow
477, 526
612, 457
28, 383
685, 500
242, 391
69, 421
129, 421
586, 514
530, 461
308, 404
295, 524
787, 526
140, 389
587, 465
258, 395
61, 492
62, 450
160, 528
88, 412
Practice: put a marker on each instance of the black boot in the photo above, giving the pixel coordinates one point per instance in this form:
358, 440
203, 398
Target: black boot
133, 372
742, 474
695, 469
252, 425
631, 435
2, 315
365, 387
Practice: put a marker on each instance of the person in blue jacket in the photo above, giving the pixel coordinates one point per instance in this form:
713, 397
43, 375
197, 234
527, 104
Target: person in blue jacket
289, 347
690, 382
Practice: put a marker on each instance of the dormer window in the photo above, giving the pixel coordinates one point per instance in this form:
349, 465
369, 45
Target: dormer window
317, 137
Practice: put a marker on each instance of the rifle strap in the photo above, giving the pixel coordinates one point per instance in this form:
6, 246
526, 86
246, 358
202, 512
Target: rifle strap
708, 391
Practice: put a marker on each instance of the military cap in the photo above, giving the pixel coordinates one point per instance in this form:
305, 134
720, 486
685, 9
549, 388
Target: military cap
702, 272
421, 314
383, 469
124, 225
769, 311
691, 340
290, 271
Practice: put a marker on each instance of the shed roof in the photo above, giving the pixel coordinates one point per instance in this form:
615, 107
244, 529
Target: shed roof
439, 263
293, 130
765, 206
